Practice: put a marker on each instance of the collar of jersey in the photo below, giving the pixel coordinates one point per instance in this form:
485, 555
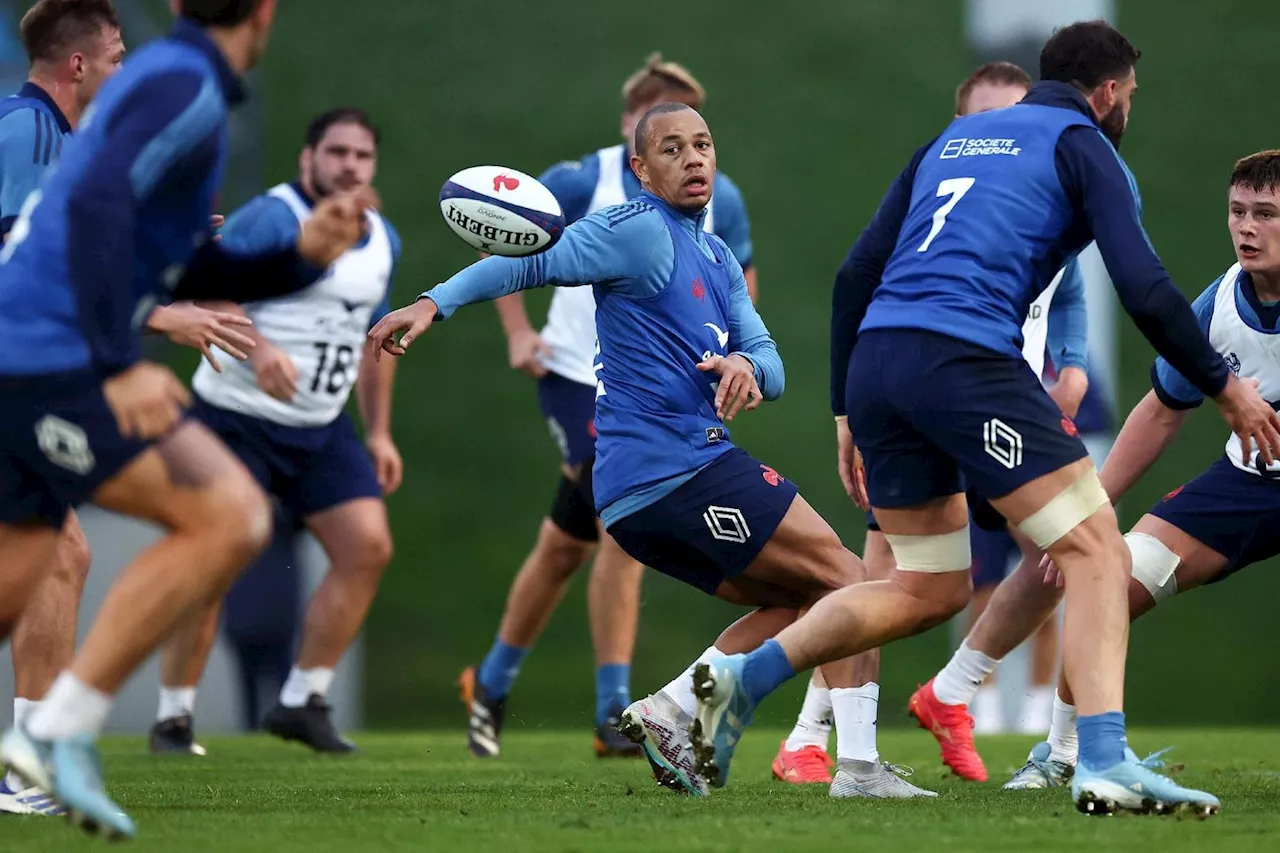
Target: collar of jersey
1051, 93
189, 32
1252, 310
35, 92
691, 222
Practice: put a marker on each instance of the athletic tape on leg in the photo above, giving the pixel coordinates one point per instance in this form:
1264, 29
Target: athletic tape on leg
937, 553
1153, 565
1060, 516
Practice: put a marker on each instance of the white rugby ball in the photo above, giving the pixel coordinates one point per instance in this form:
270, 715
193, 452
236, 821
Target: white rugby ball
501, 211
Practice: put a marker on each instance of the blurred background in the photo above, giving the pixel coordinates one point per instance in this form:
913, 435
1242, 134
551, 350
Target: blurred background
815, 108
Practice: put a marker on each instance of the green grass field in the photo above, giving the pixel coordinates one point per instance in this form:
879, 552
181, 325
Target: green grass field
548, 792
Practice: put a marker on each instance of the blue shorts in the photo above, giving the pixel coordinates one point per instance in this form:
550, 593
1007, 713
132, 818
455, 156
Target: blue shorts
570, 410
711, 528
934, 415
981, 513
993, 554
310, 469
1234, 513
60, 443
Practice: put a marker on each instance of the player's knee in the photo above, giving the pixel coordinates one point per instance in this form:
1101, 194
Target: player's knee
237, 514
1154, 568
558, 552
373, 546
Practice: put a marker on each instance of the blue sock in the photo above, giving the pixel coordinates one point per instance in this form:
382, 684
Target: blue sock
1102, 740
765, 670
500, 668
613, 690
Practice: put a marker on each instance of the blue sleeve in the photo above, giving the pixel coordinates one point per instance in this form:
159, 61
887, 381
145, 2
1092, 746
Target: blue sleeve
1094, 178
22, 164
748, 335
1069, 321
860, 274
264, 224
627, 242
573, 182
1171, 387
731, 222
384, 307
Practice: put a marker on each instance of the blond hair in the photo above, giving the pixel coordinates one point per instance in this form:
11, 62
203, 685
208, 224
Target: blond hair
659, 77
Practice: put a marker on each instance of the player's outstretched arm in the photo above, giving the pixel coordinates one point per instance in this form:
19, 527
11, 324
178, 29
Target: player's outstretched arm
1147, 433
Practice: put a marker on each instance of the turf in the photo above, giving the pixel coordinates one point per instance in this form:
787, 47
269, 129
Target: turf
548, 792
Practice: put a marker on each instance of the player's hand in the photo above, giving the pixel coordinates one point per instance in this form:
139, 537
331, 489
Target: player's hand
189, 325
215, 222
1069, 390
147, 400
1052, 575
337, 223
1251, 418
737, 388
525, 351
386, 462
849, 464
412, 320
276, 373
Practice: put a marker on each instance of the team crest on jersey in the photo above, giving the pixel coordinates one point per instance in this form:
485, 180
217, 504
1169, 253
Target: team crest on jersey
699, 289
1233, 362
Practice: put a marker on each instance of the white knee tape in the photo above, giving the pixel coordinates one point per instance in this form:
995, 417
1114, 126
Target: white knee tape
1059, 516
945, 552
1153, 565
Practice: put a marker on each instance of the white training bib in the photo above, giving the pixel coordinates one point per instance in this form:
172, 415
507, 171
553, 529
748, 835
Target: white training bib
1250, 353
571, 320
322, 328
1035, 329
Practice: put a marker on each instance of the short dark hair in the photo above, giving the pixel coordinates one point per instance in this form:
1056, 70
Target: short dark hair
660, 77
1260, 172
51, 28
319, 126
993, 74
642, 126
218, 13
1086, 54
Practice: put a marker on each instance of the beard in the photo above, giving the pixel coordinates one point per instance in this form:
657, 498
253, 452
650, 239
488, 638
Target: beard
1113, 125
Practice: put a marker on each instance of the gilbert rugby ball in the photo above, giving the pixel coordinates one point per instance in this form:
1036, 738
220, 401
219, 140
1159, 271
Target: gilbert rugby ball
501, 211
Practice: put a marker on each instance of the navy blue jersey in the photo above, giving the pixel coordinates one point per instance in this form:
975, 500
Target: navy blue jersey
32, 128
122, 223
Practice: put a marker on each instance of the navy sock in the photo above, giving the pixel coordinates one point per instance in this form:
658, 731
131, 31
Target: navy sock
500, 668
613, 690
1102, 740
765, 670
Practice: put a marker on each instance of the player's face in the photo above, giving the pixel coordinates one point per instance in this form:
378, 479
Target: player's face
102, 59
345, 160
632, 117
1254, 219
992, 96
679, 162
1113, 100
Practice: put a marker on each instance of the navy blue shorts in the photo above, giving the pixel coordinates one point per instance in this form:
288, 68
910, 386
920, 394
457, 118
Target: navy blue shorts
994, 551
711, 528
570, 410
1234, 513
310, 469
985, 516
60, 443
934, 415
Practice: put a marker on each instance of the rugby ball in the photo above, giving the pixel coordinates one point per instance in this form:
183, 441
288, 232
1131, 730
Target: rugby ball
501, 211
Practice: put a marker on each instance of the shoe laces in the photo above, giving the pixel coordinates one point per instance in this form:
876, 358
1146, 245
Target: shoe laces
1154, 761
901, 770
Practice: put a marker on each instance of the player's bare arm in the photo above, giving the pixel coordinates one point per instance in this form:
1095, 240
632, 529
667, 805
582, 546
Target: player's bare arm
373, 396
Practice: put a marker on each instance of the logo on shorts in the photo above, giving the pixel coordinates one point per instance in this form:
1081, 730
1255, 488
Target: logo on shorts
1233, 362
771, 476
64, 444
727, 524
1069, 427
1174, 493
699, 289
1002, 442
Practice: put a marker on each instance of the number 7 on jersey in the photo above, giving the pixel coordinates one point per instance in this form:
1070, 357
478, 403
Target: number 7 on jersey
956, 188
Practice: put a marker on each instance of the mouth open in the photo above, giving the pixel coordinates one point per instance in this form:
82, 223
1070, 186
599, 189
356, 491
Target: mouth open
695, 185
1248, 250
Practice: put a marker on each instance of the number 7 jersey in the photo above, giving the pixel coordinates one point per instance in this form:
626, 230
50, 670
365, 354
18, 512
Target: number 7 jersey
988, 226
322, 328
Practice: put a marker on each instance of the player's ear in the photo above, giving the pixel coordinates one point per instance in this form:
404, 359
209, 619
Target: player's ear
304, 160
638, 166
77, 67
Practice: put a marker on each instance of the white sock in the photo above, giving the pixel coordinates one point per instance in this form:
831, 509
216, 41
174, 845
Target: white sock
963, 675
1037, 710
304, 682
855, 713
987, 709
680, 690
176, 702
1064, 746
813, 726
23, 709
71, 707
